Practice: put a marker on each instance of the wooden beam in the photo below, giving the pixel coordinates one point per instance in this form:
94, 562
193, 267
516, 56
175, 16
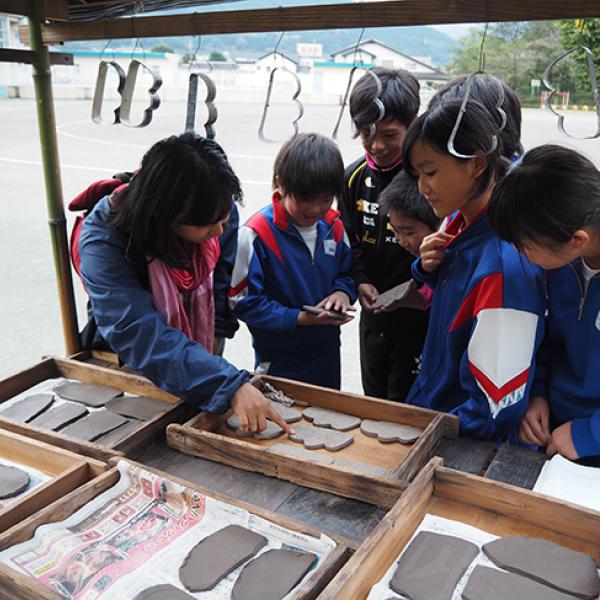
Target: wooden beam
330, 16
52, 9
27, 57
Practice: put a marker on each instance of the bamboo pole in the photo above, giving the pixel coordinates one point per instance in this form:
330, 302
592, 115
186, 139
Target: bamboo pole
54, 199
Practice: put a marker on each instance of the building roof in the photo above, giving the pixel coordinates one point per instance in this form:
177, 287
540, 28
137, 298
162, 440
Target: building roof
286, 56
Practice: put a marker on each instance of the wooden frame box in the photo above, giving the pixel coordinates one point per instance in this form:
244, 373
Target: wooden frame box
207, 436
53, 367
67, 472
101, 358
497, 508
23, 588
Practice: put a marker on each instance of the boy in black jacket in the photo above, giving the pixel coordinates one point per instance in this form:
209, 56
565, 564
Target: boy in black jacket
390, 342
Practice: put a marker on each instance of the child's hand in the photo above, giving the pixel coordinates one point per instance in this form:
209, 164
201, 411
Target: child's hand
413, 299
337, 301
432, 250
561, 442
535, 425
252, 408
367, 294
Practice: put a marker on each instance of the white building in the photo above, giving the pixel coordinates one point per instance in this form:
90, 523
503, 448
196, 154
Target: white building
9, 38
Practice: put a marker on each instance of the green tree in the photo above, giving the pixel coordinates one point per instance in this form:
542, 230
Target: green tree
187, 58
216, 56
572, 36
162, 48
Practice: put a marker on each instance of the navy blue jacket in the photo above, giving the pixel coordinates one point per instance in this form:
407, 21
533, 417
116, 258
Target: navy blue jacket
568, 365
485, 325
275, 274
137, 332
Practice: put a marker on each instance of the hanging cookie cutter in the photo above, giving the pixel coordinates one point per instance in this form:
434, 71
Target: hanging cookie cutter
263, 119
376, 100
589, 57
463, 109
99, 91
212, 113
128, 92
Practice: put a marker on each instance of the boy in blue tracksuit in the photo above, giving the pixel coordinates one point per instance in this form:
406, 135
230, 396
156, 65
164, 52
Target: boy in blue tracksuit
486, 319
292, 253
548, 206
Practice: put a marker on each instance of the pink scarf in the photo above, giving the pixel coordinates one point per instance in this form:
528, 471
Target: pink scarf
185, 296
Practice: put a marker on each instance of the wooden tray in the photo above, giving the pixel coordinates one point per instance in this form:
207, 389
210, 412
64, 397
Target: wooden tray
494, 507
67, 471
22, 587
101, 358
61, 367
207, 436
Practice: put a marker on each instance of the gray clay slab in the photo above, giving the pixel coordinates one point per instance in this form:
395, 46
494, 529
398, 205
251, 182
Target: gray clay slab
491, 584
12, 481
272, 575
431, 566
324, 417
387, 432
218, 555
28, 408
60, 416
365, 468
137, 407
563, 569
301, 453
164, 591
117, 435
94, 425
86, 393
272, 430
315, 438
287, 413
392, 295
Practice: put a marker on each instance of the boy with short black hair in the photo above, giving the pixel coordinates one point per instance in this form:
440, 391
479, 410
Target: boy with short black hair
390, 342
293, 253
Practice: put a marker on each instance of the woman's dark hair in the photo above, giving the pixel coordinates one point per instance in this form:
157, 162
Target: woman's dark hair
474, 137
402, 197
550, 194
399, 95
184, 178
485, 90
308, 167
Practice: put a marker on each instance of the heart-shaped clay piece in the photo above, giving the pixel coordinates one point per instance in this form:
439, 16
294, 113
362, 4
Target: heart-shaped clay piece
315, 438
324, 417
387, 432
272, 431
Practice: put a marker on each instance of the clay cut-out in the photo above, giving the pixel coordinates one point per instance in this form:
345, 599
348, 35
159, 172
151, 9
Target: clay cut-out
324, 417
387, 432
136, 407
288, 414
432, 565
217, 555
490, 584
561, 568
94, 425
392, 295
12, 481
89, 394
60, 416
164, 591
272, 430
28, 408
272, 575
315, 438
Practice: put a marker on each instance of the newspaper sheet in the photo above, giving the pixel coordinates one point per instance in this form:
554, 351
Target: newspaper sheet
381, 590
36, 478
136, 534
566, 480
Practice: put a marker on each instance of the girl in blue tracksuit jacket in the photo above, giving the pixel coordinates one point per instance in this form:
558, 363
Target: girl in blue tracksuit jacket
488, 302
548, 206
292, 253
162, 228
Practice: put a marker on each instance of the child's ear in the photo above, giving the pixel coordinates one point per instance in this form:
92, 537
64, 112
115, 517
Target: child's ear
579, 241
478, 165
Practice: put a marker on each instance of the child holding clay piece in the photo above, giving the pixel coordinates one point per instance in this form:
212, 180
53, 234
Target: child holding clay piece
412, 219
486, 318
292, 253
548, 206
147, 254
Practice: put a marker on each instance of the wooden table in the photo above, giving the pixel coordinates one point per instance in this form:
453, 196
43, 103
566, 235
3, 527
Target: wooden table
332, 514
